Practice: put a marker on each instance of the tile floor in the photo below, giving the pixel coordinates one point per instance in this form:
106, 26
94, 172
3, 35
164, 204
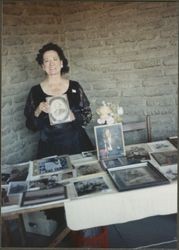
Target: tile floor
153, 232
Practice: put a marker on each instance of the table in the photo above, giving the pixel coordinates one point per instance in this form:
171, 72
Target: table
102, 209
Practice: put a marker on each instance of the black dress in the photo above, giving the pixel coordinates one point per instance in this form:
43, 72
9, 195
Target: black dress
67, 138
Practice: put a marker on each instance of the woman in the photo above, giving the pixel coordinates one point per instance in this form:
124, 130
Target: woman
64, 138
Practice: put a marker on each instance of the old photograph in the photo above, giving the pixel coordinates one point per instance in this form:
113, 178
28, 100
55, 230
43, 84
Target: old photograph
86, 169
122, 161
59, 111
160, 146
17, 187
90, 186
109, 141
166, 158
51, 165
137, 176
137, 153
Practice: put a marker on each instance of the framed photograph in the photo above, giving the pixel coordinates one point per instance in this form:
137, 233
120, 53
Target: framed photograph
59, 111
109, 141
50, 165
8, 200
17, 187
43, 195
118, 162
91, 186
166, 157
87, 169
174, 140
137, 176
137, 152
159, 146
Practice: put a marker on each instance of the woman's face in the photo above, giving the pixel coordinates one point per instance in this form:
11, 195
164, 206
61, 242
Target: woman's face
51, 63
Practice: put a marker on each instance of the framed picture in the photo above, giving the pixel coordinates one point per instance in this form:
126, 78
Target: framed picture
89, 154
59, 111
174, 140
109, 141
159, 146
50, 165
43, 195
137, 176
166, 158
17, 187
91, 186
137, 152
44, 183
118, 162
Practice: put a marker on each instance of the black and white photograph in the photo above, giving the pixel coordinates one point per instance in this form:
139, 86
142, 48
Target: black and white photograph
51, 165
90, 186
86, 169
44, 183
137, 153
137, 176
15, 172
17, 187
43, 195
59, 111
89, 154
166, 158
160, 146
109, 141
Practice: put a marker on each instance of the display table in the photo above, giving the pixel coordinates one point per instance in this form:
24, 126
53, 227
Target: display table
101, 209
121, 207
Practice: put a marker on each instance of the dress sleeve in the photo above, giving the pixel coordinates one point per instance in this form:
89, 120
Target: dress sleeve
33, 123
83, 113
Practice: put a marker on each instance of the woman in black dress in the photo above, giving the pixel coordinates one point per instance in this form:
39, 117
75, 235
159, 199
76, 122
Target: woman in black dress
64, 138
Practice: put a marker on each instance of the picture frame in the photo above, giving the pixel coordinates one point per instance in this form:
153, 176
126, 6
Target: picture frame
94, 185
165, 158
138, 152
109, 141
118, 162
47, 182
174, 141
40, 196
137, 176
59, 110
50, 165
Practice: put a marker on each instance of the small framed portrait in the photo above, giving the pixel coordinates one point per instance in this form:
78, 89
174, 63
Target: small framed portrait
109, 141
59, 111
137, 176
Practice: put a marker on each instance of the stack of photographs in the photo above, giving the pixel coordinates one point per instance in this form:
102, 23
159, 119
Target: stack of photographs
137, 176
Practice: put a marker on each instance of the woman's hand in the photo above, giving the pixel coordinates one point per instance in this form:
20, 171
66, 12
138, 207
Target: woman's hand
43, 107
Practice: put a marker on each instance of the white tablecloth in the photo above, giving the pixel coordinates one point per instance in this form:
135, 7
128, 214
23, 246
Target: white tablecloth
120, 207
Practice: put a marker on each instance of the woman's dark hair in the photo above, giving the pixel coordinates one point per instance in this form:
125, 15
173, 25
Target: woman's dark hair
55, 47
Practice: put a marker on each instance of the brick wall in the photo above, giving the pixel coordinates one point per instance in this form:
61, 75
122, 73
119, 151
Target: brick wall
125, 53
